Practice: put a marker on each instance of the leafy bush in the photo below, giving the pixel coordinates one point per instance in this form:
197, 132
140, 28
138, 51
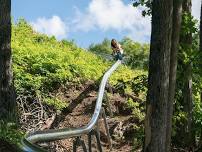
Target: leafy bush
42, 64
9, 133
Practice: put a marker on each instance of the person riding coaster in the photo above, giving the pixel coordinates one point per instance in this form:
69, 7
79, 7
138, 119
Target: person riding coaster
117, 50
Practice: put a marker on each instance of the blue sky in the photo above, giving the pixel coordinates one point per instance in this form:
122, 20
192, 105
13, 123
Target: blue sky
87, 21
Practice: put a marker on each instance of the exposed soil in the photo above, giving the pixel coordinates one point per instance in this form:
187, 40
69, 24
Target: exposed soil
82, 100
79, 113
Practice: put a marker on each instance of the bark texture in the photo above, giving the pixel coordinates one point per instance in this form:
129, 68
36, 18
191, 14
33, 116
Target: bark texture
7, 98
177, 16
188, 134
158, 81
189, 139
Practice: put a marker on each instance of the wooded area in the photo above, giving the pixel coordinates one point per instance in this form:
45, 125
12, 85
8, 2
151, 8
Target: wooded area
155, 98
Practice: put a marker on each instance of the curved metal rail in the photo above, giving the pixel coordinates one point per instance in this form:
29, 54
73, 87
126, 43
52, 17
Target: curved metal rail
51, 134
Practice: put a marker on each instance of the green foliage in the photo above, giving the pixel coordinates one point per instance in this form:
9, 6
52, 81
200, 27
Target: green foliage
138, 112
42, 64
188, 25
10, 133
137, 55
139, 115
136, 109
102, 49
59, 104
138, 137
130, 82
197, 115
188, 55
140, 84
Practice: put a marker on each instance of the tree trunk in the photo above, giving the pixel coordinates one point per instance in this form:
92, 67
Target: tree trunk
177, 16
158, 80
7, 98
188, 107
188, 135
186, 6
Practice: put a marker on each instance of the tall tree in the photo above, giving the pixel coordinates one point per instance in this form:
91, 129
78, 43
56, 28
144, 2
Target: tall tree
186, 43
7, 98
158, 81
177, 16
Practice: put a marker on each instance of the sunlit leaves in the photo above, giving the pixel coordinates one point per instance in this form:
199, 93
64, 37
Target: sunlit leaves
42, 64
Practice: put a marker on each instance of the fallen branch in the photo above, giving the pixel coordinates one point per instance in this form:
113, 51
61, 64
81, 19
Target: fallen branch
48, 122
33, 113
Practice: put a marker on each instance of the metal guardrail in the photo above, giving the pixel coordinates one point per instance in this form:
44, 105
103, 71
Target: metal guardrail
28, 143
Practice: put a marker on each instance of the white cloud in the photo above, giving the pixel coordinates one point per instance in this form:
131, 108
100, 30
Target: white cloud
51, 26
196, 6
114, 15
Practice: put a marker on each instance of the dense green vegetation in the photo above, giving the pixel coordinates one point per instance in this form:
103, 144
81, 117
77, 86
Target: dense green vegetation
188, 55
42, 65
156, 98
9, 132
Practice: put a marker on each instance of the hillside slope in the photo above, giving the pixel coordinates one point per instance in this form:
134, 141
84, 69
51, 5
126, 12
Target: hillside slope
50, 76
42, 64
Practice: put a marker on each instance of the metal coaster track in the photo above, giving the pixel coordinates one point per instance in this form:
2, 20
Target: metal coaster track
29, 141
